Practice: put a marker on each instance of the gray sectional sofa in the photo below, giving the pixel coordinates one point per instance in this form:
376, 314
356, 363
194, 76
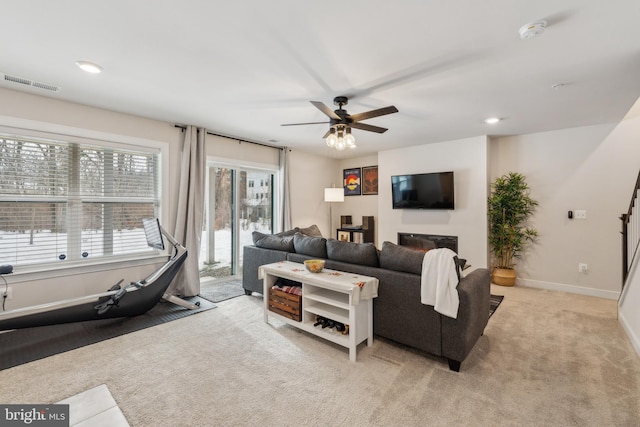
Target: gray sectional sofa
398, 314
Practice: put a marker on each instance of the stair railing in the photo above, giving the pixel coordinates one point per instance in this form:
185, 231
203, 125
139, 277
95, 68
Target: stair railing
630, 233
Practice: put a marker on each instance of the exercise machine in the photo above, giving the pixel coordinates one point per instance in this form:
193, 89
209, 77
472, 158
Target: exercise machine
131, 300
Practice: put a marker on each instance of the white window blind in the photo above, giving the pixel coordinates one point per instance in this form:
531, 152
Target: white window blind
67, 201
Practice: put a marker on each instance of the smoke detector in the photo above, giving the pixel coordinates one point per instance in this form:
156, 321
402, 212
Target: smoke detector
532, 30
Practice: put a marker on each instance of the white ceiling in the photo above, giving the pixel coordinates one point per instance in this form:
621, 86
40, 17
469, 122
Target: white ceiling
243, 68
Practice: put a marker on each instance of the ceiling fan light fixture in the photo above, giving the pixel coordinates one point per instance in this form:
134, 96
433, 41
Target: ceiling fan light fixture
332, 139
349, 139
339, 135
340, 144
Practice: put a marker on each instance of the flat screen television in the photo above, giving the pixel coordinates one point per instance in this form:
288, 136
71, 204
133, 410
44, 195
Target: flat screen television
423, 191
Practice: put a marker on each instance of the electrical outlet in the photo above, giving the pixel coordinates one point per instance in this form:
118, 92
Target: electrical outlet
582, 268
580, 214
8, 293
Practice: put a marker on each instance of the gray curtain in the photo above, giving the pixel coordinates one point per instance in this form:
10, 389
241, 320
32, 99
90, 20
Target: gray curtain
190, 212
285, 207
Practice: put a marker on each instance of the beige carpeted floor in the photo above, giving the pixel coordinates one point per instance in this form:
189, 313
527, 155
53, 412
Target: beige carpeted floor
546, 359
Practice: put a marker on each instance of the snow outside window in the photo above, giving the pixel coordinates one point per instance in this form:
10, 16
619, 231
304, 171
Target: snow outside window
62, 202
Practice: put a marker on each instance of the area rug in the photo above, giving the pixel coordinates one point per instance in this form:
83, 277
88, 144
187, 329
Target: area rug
26, 345
494, 302
222, 291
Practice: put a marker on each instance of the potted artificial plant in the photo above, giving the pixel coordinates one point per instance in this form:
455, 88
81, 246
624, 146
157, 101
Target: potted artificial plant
509, 210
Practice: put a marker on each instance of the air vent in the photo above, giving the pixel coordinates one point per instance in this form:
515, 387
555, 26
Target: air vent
27, 82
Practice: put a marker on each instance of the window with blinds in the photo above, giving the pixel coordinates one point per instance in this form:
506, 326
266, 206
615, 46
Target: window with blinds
61, 202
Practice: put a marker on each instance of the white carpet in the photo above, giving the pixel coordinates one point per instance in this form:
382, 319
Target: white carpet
546, 359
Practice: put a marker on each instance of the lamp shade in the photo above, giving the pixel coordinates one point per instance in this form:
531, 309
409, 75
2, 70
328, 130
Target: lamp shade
334, 195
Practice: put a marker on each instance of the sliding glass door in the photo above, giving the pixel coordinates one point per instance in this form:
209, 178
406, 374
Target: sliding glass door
239, 201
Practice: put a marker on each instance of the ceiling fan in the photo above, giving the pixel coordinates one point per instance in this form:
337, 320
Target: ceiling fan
339, 134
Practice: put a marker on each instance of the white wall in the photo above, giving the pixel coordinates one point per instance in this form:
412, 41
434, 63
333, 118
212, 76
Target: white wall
309, 176
250, 154
467, 158
589, 168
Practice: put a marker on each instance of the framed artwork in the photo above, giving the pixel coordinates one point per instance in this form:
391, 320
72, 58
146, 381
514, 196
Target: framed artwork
351, 182
344, 236
370, 180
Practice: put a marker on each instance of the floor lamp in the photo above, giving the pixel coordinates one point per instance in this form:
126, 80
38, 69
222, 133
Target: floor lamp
332, 195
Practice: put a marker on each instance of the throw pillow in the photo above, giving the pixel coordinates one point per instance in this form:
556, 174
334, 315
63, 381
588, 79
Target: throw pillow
354, 253
273, 241
311, 230
256, 235
288, 232
401, 258
312, 246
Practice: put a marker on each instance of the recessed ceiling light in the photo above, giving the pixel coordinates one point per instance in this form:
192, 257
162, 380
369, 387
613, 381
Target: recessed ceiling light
89, 67
492, 120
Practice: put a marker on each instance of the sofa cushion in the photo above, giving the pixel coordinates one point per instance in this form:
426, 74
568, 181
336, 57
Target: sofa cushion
355, 253
401, 258
273, 241
308, 245
311, 230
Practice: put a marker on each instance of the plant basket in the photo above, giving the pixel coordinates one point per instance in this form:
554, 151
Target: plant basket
504, 276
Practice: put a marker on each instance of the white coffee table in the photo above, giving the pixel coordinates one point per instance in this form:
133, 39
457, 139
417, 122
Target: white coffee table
340, 296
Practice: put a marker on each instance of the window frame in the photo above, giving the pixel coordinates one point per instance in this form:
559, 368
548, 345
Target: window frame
27, 129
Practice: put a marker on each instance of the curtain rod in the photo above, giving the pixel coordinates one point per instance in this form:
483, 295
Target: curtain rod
183, 127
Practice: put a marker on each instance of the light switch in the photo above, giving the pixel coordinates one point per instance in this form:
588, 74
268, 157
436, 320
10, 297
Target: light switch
580, 214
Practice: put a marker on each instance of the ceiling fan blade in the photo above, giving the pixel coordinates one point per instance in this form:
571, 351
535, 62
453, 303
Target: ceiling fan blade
370, 128
300, 124
374, 113
328, 111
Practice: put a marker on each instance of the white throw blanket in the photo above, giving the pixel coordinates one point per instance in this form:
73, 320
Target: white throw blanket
439, 281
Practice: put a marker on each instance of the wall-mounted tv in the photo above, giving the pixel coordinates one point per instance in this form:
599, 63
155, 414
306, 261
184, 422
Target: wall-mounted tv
423, 191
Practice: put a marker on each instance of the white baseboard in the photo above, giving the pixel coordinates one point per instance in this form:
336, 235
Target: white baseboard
633, 338
568, 288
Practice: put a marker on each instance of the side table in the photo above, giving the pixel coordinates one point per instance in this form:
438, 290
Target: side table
343, 297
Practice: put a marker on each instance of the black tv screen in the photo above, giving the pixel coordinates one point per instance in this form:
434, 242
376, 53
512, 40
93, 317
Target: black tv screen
153, 233
423, 191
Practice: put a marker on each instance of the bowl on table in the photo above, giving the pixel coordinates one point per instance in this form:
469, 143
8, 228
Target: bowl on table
314, 265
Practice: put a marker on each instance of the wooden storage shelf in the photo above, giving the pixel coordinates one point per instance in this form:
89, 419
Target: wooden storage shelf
330, 312
358, 235
332, 299
328, 297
